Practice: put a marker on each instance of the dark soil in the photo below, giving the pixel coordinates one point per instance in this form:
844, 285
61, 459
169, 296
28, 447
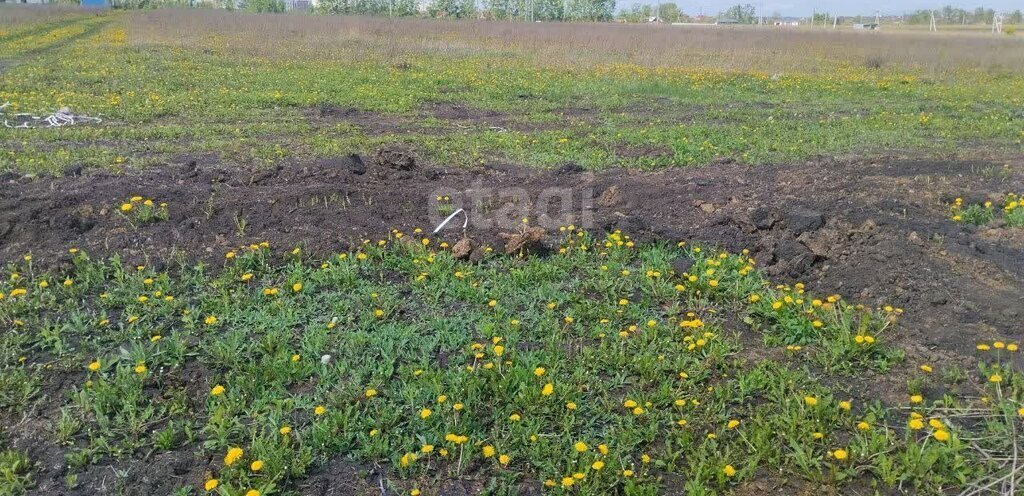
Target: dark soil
874, 231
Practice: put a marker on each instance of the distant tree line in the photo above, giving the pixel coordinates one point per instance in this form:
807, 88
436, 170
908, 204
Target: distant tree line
248, 5
527, 10
550, 10
666, 12
956, 15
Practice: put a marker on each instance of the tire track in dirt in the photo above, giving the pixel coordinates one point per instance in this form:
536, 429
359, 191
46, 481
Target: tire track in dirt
57, 44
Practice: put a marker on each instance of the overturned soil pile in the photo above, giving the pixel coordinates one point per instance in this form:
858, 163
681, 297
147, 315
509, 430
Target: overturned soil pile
876, 231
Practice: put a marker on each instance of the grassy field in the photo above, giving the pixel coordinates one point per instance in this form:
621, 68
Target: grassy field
590, 363
615, 372
173, 83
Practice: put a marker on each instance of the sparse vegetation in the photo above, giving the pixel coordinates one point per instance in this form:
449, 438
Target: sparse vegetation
170, 83
979, 214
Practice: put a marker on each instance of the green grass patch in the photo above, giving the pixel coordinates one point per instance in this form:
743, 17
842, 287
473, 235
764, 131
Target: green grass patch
595, 370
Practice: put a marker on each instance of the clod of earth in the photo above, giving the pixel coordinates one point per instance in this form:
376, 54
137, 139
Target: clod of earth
394, 158
462, 249
800, 220
523, 240
610, 197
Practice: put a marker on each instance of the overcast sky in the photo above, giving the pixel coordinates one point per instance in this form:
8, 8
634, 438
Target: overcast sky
840, 7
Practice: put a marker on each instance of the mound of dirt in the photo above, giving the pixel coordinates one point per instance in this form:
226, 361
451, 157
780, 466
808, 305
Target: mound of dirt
522, 240
394, 158
875, 231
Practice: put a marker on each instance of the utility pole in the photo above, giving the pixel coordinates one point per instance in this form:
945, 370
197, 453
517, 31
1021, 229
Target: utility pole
932, 26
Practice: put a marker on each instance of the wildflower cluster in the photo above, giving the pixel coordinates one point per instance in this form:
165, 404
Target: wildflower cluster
599, 366
978, 214
139, 210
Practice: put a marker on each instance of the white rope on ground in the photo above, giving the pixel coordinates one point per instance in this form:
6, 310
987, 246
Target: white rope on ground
452, 216
60, 118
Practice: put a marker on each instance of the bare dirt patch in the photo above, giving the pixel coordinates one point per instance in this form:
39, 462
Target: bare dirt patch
875, 231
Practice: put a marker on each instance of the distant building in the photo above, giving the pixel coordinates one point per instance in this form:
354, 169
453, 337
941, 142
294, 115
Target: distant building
96, 4
726, 20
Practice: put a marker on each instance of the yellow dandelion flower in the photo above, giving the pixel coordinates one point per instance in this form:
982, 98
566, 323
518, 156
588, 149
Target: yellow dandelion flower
233, 455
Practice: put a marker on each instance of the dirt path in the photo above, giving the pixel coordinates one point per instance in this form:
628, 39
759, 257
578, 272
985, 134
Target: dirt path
876, 231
